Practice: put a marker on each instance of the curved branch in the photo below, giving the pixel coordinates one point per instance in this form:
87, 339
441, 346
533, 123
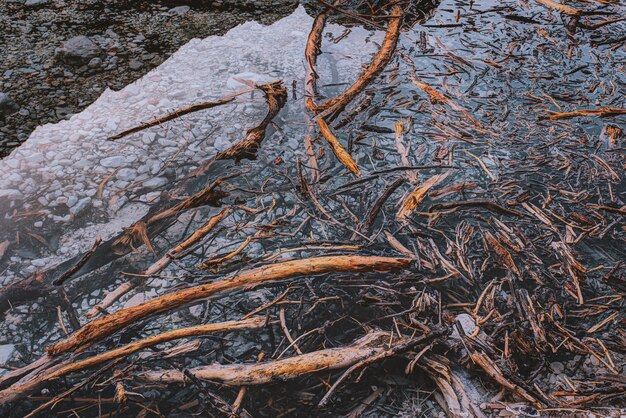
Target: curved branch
104, 327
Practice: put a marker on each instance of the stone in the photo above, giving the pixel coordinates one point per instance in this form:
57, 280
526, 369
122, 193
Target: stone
78, 51
135, 300
557, 367
155, 182
36, 3
113, 162
135, 65
180, 10
7, 105
6, 351
10, 194
95, 63
126, 174
467, 324
80, 206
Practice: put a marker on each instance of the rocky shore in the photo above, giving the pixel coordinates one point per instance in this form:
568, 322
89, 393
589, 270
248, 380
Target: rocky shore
58, 56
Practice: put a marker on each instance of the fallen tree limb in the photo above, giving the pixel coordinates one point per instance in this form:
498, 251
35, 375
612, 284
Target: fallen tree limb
159, 265
174, 115
494, 372
276, 96
370, 345
338, 149
127, 350
104, 327
398, 347
415, 198
332, 107
79, 264
472, 203
454, 399
602, 112
47, 370
561, 7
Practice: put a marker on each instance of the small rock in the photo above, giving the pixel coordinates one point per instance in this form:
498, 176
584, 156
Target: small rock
80, 206
135, 65
78, 51
467, 324
113, 162
95, 63
10, 194
180, 10
6, 351
7, 106
155, 182
126, 174
135, 300
557, 367
36, 3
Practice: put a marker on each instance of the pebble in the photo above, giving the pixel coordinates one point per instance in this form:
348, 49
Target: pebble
135, 65
10, 194
557, 367
6, 351
180, 10
80, 206
7, 105
155, 182
113, 161
126, 174
95, 63
36, 3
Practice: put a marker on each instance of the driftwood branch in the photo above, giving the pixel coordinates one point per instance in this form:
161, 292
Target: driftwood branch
104, 327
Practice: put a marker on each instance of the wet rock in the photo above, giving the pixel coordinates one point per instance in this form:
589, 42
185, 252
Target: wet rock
135, 65
78, 51
126, 174
557, 367
11, 194
113, 162
7, 105
467, 324
80, 206
155, 182
36, 3
180, 10
95, 63
6, 351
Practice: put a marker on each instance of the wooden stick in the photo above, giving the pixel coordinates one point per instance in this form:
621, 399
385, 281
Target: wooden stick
104, 327
127, 350
176, 114
159, 265
332, 107
338, 149
602, 112
560, 7
365, 347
